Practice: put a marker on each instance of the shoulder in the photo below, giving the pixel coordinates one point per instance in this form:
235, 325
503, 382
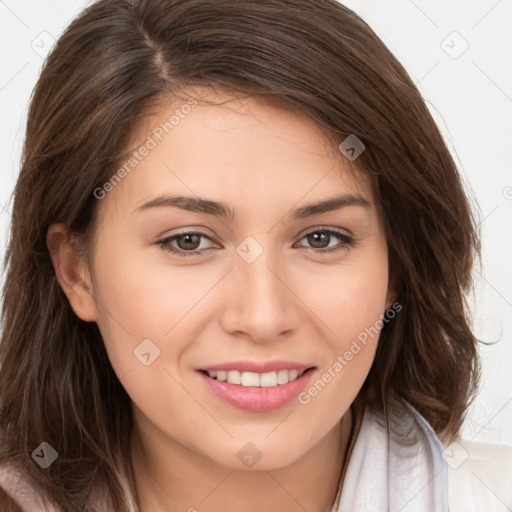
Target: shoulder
19, 495
479, 476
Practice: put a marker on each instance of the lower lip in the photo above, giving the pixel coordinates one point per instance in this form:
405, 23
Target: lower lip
254, 398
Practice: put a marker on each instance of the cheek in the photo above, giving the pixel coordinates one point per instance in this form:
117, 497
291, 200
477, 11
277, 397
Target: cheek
141, 301
349, 304
353, 316
141, 312
348, 298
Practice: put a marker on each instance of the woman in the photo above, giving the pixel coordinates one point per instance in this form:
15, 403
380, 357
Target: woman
236, 273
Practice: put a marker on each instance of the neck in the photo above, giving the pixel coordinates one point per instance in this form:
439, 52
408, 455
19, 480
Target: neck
170, 477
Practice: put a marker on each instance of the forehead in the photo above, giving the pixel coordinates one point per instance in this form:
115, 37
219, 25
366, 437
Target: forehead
241, 149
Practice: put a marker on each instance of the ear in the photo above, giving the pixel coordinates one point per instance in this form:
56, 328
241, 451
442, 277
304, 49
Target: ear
71, 271
390, 298
392, 293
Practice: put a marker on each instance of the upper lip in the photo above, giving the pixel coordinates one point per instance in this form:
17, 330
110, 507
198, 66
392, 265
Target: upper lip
257, 366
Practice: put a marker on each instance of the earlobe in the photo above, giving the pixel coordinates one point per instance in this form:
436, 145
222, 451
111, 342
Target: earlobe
390, 299
391, 295
71, 272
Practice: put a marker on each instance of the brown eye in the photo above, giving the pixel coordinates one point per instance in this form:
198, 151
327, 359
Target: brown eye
185, 244
320, 240
189, 241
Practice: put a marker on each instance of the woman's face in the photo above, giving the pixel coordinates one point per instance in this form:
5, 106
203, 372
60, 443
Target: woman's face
257, 283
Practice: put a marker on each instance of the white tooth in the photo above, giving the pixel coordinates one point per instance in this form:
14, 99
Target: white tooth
250, 379
234, 377
268, 380
292, 375
282, 377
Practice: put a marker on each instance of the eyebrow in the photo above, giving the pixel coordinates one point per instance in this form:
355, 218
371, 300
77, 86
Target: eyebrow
219, 209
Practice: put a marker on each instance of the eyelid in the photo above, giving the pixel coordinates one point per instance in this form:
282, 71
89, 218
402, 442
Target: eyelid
189, 230
341, 231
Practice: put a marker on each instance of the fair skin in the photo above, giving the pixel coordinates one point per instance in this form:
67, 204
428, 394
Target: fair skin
210, 307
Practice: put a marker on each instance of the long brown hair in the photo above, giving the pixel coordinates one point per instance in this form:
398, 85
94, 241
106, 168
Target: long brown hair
119, 60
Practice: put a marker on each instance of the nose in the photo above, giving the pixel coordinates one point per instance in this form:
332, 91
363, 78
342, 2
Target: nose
260, 303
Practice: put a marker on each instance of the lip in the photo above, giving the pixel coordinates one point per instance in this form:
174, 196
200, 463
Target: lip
254, 398
258, 366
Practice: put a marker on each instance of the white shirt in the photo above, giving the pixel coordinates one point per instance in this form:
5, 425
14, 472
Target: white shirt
399, 465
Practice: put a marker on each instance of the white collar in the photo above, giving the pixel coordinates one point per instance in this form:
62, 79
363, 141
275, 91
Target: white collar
395, 465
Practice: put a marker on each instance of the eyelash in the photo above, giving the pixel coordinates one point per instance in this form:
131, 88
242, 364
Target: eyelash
347, 241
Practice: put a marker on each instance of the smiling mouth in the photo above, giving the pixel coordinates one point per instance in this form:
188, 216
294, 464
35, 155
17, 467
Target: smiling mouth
253, 379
